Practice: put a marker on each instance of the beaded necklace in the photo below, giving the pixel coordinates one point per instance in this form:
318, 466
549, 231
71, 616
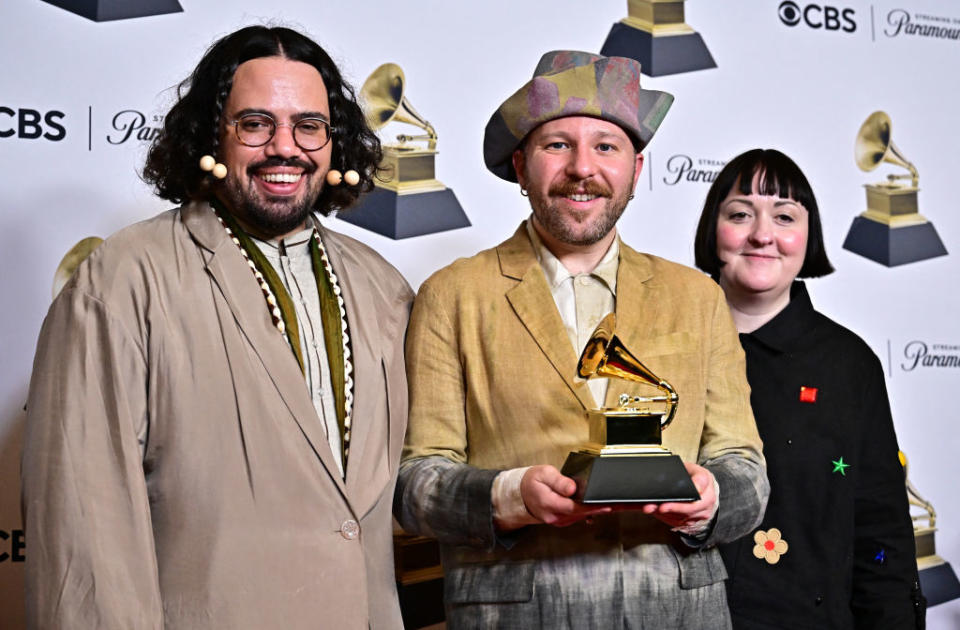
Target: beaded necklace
333, 314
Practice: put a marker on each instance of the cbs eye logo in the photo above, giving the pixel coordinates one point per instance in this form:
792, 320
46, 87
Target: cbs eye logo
789, 13
815, 16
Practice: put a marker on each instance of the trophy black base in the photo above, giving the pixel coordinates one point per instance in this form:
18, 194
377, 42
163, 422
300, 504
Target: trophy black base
629, 478
939, 584
401, 216
107, 10
892, 246
667, 54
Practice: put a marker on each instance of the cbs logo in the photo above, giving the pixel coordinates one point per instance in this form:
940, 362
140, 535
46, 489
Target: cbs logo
30, 124
816, 16
16, 545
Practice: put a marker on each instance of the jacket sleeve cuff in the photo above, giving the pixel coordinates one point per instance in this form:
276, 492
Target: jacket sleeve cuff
447, 500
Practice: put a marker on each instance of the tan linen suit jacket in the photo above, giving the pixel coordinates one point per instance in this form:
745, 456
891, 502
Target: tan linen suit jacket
175, 472
493, 386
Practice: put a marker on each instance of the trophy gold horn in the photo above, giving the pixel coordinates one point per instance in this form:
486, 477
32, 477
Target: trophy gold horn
72, 259
874, 145
914, 498
383, 94
605, 356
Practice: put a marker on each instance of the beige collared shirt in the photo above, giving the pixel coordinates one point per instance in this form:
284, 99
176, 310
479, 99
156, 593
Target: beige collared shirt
290, 258
583, 299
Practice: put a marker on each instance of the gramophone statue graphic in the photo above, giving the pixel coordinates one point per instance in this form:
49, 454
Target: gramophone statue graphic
891, 231
408, 200
655, 34
937, 578
624, 461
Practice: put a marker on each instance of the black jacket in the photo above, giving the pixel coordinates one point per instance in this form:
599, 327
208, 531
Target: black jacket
837, 487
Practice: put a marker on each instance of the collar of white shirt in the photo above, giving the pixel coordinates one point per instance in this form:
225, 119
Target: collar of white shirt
556, 273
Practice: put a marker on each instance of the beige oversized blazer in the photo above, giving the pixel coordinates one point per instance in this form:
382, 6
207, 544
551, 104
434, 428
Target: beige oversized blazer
175, 472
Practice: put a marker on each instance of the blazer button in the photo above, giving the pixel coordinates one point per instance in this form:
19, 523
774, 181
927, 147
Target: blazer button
350, 529
818, 600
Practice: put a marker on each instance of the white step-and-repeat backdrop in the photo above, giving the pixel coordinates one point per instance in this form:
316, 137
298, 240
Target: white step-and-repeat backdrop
82, 95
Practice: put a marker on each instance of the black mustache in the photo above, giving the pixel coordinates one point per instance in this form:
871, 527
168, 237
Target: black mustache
307, 167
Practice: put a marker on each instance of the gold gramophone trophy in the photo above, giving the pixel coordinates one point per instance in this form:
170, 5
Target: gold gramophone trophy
938, 580
655, 34
891, 231
408, 199
624, 461
72, 259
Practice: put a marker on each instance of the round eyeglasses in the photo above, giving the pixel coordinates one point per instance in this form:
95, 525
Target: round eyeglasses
255, 130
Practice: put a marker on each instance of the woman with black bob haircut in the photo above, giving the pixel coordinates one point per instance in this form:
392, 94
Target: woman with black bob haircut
835, 548
782, 177
192, 128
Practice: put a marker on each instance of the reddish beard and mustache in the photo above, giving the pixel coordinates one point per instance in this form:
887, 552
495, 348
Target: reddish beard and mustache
577, 227
568, 188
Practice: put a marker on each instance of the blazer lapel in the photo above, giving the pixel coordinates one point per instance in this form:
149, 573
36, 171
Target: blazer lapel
245, 299
534, 305
366, 359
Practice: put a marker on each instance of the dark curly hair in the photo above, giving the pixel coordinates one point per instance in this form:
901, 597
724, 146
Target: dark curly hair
192, 127
780, 176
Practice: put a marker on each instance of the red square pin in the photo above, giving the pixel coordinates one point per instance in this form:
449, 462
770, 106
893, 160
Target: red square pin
808, 394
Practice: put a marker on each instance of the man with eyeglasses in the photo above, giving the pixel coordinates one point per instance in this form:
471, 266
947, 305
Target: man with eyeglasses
218, 399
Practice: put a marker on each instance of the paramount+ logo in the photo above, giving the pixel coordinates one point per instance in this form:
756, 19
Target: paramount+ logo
817, 16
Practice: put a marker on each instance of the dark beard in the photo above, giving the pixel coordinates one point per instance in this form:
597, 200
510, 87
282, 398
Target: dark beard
261, 220
272, 216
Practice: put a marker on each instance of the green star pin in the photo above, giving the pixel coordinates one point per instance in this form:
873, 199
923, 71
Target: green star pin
840, 467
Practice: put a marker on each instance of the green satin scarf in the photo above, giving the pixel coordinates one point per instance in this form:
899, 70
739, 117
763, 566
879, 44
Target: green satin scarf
330, 316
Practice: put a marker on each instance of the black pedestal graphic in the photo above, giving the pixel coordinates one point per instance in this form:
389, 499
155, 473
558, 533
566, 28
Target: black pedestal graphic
107, 10
939, 584
401, 216
669, 54
893, 246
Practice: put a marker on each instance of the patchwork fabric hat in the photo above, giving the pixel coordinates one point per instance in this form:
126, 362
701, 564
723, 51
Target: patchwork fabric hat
573, 83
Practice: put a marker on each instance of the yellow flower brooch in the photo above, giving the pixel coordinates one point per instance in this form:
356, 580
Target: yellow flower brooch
770, 545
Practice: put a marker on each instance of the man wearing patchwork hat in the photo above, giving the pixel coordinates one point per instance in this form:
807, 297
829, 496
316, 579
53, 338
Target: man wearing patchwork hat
492, 353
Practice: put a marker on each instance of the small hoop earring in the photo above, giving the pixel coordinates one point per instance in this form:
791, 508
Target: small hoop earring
524, 193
